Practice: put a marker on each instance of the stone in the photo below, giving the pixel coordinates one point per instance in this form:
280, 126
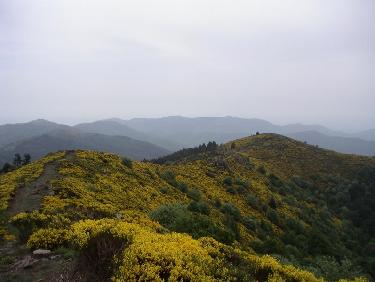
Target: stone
25, 262
41, 253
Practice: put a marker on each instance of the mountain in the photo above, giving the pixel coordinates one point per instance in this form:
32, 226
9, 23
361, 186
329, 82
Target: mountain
213, 213
367, 134
298, 127
115, 128
193, 131
174, 133
340, 144
70, 139
10, 133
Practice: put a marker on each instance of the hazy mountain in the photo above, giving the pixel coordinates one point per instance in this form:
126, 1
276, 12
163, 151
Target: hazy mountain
367, 134
175, 132
69, 139
298, 127
193, 131
340, 144
10, 133
116, 128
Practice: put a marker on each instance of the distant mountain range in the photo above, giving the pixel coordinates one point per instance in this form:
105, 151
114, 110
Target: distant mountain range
55, 137
141, 138
189, 132
347, 145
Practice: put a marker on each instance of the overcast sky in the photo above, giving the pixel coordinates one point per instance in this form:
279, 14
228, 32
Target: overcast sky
309, 61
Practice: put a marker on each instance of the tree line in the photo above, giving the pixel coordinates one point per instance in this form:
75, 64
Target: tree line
186, 152
18, 161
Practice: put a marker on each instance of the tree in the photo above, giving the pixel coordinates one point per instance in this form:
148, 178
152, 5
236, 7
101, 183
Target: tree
6, 168
211, 146
233, 145
17, 161
26, 159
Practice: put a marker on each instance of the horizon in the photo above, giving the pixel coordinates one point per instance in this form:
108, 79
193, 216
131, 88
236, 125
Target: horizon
188, 117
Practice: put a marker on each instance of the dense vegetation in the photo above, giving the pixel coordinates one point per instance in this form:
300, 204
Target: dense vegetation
203, 214
187, 152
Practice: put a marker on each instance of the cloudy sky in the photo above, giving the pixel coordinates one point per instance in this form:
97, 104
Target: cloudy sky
310, 61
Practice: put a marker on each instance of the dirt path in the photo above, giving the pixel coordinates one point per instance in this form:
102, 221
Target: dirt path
29, 197
16, 261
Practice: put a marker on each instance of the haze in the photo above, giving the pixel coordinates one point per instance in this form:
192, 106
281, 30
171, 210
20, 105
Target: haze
309, 61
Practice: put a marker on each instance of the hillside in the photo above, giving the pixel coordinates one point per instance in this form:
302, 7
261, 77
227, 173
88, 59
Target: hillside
208, 215
70, 139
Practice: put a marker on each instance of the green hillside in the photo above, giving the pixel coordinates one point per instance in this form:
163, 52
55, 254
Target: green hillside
262, 208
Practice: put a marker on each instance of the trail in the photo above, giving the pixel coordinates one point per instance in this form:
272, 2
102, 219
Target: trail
29, 197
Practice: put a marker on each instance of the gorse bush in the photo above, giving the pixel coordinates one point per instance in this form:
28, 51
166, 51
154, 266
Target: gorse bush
140, 253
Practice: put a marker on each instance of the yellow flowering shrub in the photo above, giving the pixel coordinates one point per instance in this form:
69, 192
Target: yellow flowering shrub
48, 238
155, 257
151, 256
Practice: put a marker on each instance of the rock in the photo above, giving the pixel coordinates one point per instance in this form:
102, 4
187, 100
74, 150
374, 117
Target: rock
41, 253
26, 262
55, 257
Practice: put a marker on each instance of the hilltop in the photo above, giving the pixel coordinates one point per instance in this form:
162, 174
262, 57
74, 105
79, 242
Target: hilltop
204, 214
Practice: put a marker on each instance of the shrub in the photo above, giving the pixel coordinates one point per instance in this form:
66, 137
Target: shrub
250, 223
243, 183
48, 238
275, 181
218, 203
182, 187
273, 217
100, 255
228, 181
194, 194
231, 190
261, 170
170, 178
164, 190
299, 181
253, 202
179, 219
266, 226
127, 162
231, 210
200, 207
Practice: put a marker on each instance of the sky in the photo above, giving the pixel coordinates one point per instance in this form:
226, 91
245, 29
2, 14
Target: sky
307, 61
